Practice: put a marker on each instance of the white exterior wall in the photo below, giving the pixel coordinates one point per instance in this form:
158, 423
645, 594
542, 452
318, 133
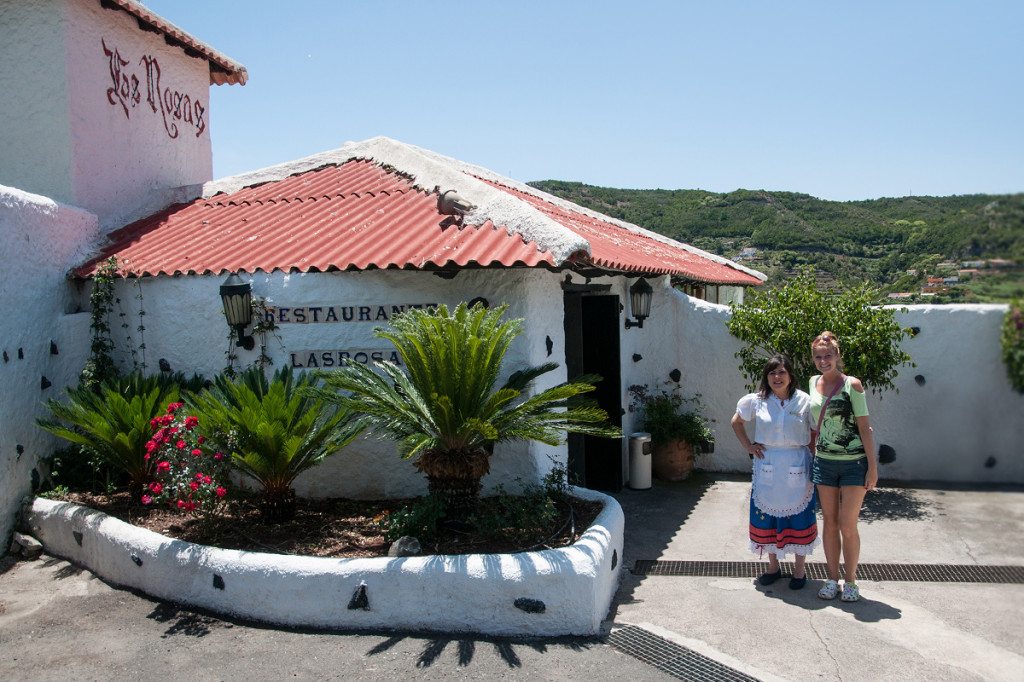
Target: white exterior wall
35, 137
39, 241
185, 325
944, 430
68, 140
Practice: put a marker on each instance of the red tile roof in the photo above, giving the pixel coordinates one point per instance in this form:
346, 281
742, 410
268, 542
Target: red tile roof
360, 215
223, 69
616, 248
350, 217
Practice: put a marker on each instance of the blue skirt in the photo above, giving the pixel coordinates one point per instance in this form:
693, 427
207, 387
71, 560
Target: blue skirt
782, 535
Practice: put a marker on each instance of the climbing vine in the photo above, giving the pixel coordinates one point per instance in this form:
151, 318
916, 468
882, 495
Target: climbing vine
1013, 344
100, 365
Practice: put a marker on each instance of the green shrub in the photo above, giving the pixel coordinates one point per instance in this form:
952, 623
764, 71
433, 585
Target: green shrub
1013, 344
420, 520
112, 422
786, 320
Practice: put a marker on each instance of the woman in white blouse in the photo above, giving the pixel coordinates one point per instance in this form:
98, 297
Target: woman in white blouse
782, 497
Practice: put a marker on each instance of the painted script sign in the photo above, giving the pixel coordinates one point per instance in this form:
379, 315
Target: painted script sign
130, 82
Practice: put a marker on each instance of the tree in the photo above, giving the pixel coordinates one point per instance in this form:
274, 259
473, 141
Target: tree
443, 407
786, 320
1013, 344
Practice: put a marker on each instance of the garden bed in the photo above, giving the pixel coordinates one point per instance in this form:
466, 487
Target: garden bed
334, 527
537, 593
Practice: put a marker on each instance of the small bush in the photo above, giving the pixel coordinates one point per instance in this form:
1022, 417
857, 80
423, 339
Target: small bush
1013, 344
420, 520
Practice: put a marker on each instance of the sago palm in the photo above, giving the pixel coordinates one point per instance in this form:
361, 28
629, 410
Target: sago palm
113, 421
274, 430
444, 407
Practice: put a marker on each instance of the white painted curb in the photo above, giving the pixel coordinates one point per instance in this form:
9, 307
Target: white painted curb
474, 593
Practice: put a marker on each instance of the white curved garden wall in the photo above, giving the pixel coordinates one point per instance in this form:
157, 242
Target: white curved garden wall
185, 326
465, 593
44, 343
964, 424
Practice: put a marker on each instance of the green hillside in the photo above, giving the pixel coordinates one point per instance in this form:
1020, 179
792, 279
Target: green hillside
878, 240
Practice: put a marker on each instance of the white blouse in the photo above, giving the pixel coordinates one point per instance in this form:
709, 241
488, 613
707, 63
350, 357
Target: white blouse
778, 425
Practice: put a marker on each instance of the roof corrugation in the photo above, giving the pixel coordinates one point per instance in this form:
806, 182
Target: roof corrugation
223, 69
617, 248
354, 216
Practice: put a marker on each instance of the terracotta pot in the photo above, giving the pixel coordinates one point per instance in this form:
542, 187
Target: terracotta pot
672, 461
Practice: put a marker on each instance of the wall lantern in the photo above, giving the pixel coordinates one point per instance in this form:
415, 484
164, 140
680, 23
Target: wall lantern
639, 302
237, 297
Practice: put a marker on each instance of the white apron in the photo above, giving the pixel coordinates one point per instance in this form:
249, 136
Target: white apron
782, 481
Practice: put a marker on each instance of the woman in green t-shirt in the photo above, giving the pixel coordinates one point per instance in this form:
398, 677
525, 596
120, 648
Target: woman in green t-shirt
845, 466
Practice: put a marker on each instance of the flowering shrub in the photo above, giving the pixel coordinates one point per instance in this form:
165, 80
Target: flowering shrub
189, 476
1013, 344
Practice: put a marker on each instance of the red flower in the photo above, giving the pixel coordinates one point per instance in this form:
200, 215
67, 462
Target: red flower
207, 480
196, 452
146, 499
218, 456
221, 491
163, 466
156, 487
193, 485
145, 456
151, 445
167, 419
181, 504
173, 429
190, 422
180, 445
199, 476
155, 423
174, 407
201, 439
190, 505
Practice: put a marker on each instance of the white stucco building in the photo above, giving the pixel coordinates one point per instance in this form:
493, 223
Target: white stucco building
106, 132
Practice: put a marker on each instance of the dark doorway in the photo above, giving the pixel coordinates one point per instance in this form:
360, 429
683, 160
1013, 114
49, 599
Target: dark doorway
592, 347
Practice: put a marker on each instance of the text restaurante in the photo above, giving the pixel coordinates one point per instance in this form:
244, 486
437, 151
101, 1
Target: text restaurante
338, 313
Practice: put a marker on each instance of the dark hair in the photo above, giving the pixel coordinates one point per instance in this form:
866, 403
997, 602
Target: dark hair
774, 362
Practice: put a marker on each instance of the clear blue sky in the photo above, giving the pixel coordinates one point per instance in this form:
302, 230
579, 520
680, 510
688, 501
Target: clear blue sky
851, 100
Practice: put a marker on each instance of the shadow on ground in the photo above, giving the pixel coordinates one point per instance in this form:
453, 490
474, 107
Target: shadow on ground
466, 647
894, 504
186, 622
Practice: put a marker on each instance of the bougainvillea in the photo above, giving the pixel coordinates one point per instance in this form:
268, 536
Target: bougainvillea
190, 476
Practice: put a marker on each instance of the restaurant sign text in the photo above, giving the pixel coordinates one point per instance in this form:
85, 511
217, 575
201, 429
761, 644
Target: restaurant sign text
312, 314
318, 359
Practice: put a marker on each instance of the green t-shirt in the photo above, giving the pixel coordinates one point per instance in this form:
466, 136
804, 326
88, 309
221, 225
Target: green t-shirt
839, 437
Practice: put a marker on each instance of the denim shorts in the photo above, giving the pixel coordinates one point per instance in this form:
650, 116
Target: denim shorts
837, 473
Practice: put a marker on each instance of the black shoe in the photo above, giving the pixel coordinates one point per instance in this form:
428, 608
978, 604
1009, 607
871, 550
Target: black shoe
797, 583
769, 578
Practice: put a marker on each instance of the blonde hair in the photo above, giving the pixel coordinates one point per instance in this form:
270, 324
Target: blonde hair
831, 341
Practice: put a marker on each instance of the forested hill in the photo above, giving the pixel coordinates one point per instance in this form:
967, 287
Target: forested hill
849, 241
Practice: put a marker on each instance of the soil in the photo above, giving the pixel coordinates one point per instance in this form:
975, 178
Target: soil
330, 528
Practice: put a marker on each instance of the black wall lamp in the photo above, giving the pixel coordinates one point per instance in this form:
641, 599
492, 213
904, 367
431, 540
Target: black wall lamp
237, 297
640, 295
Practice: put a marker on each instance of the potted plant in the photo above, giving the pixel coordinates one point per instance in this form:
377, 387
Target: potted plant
678, 429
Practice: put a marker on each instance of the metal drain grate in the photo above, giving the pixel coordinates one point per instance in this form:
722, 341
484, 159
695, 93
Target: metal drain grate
671, 658
936, 573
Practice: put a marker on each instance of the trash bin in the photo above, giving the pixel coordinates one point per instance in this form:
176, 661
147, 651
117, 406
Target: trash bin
640, 460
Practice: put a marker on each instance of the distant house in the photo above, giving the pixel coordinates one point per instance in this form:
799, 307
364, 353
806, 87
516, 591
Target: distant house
1000, 263
973, 263
968, 273
951, 280
901, 294
935, 280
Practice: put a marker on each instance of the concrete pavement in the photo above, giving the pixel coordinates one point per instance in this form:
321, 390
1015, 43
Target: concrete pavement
58, 622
